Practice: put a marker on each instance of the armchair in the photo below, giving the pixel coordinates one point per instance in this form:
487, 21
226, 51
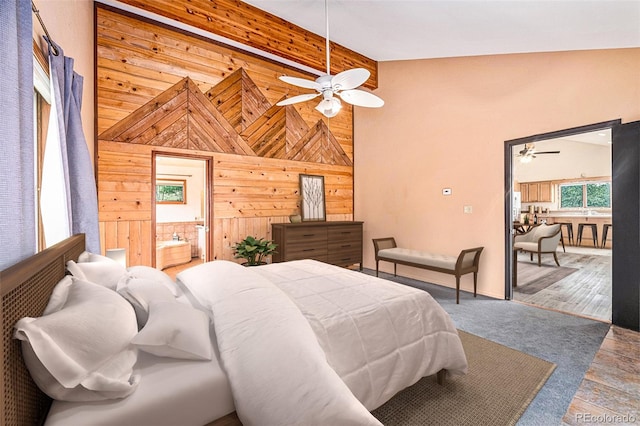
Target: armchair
539, 239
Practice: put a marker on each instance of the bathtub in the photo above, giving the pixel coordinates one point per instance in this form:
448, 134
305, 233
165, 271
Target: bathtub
172, 253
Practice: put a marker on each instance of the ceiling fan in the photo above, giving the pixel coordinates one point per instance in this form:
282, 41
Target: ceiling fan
529, 152
343, 85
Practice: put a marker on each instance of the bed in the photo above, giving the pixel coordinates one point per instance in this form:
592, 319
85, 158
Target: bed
293, 311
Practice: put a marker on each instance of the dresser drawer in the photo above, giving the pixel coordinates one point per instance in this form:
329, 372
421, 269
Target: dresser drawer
345, 257
307, 235
307, 253
345, 246
345, 233
306, 250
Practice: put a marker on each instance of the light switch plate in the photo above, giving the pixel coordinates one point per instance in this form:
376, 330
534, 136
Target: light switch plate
468, 209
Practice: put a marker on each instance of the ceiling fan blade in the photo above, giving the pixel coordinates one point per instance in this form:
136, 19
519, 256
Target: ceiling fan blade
298, 98
361, 98
350, 79
300, 82
547, 152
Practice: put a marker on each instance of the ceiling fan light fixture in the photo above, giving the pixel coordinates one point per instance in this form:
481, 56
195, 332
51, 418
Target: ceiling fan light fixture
329, 107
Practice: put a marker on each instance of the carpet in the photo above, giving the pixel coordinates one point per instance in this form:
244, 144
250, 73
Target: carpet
533, 278
499, 386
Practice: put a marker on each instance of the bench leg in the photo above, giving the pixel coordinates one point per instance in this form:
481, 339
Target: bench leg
377, 261
457, 290
475, 284
395, 269
440, 376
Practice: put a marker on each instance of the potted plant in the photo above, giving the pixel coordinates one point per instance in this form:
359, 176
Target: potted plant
254, 250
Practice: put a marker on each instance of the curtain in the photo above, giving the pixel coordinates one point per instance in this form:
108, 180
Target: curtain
69, 156
17, 181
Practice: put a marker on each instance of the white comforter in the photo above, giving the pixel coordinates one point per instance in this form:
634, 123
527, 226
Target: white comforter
379, 336
288, 333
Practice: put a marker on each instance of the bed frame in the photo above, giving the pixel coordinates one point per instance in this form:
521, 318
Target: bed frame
25, 289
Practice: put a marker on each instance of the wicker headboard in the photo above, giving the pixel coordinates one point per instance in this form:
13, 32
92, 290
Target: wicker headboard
25, 289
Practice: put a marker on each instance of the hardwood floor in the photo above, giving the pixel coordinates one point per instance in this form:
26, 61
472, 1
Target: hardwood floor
175, 270
610, 391
585, 292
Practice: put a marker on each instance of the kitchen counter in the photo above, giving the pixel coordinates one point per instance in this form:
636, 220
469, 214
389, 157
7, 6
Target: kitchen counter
584, 215
575, 219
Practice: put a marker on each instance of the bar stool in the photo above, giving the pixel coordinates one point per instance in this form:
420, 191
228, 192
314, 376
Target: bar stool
605, 231
594, 232
569, 227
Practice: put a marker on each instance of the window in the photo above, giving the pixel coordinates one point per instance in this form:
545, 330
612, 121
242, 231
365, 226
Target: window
578, 195
171, 191
41, 110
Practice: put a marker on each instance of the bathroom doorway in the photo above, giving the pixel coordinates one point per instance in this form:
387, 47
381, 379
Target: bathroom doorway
181, 210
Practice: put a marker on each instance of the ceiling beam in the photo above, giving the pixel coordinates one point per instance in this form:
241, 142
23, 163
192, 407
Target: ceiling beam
248, 25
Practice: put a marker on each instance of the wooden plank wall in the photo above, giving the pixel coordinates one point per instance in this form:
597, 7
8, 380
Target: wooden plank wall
251, 26
141, 68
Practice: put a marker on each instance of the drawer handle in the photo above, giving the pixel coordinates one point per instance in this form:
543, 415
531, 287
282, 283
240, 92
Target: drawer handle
345, 245
308, 249
308, 235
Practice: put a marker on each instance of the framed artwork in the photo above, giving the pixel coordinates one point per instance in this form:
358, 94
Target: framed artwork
171, 191
312, 205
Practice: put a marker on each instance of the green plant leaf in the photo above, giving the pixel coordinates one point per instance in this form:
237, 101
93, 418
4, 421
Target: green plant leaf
254, 250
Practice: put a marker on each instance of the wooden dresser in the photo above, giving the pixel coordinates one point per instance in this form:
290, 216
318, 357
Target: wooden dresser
338, 243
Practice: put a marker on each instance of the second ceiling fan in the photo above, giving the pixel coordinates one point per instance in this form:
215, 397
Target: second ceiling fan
529, 152
343, 85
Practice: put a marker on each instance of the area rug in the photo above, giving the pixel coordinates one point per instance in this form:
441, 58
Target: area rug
533, 278
499, 386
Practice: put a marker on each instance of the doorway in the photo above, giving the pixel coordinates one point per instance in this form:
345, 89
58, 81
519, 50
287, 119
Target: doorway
562, 178
181, 213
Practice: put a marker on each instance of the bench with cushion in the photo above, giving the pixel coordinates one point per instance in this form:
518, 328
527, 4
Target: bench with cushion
466, 262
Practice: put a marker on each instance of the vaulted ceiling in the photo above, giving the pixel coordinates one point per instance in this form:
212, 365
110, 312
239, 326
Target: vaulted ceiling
387, 30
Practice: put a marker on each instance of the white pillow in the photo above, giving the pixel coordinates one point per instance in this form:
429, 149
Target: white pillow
175, 330
86, 256
59, 295
149, 273
80, 350
106, 273
140, 293
198, 282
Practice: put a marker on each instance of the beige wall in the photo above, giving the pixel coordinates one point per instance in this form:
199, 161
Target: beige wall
70, 24
444, 125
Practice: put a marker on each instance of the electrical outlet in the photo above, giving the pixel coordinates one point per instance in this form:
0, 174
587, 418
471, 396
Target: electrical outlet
468, 209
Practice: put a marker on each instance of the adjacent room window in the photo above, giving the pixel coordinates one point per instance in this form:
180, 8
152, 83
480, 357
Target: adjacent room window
592, 195
171, 191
